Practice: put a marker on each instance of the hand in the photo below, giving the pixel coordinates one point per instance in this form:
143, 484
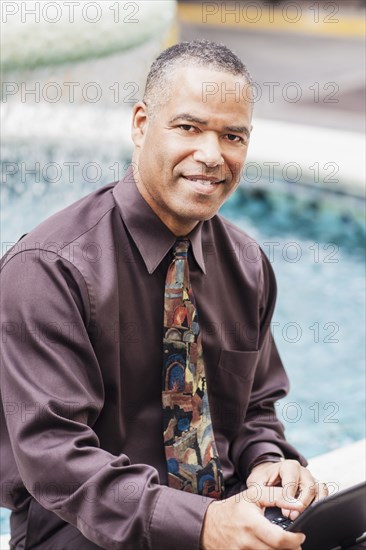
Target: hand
296, 481
238, 523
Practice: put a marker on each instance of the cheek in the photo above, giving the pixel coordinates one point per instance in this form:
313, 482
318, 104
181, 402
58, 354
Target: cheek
178, 150
164, 158
236, 163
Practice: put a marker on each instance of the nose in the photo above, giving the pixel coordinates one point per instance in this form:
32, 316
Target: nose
208, 150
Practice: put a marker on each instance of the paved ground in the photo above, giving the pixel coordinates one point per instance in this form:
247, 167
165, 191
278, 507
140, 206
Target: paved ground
308, 72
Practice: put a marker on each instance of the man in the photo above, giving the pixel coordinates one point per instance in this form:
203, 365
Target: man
92, 446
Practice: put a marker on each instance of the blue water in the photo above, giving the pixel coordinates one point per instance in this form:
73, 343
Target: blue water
315, 242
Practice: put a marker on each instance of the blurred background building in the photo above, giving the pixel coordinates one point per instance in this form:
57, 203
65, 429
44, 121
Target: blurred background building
69, 81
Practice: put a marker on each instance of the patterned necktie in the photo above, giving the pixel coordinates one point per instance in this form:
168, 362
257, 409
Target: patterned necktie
192, 459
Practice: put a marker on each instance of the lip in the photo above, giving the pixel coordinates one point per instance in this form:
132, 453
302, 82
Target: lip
204, 185
195, 177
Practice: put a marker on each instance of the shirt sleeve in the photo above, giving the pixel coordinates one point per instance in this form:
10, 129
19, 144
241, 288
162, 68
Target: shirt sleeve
262, 433
261, 459
53, 382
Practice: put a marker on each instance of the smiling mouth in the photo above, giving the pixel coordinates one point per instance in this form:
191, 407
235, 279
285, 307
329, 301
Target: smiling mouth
207, 181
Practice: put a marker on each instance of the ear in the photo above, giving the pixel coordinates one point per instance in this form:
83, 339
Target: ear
139, 123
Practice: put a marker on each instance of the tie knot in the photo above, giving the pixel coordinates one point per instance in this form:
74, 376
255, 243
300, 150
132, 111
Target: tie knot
181, 248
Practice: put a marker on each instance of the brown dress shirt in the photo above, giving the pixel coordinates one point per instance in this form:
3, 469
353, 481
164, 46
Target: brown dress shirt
82, 328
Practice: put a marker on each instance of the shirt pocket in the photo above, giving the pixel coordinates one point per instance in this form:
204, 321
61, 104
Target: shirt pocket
231, 389
237, 363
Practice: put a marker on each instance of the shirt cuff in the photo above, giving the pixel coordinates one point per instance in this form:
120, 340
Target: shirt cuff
177, 520
267, 457
253, 452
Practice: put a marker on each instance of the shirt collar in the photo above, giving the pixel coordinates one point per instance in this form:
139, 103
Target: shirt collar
151, 236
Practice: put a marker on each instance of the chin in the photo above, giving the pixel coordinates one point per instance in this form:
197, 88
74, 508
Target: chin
202, 216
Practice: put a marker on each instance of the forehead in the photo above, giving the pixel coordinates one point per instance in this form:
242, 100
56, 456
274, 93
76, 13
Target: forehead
208, 92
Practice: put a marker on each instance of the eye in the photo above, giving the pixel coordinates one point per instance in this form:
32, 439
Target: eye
187, 127
234, 139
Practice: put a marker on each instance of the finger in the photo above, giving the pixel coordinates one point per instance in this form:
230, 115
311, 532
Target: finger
308, 488
272, 496
276, 537
259, 477
274, 476
290, 476
264, 474
322, 490
310, 491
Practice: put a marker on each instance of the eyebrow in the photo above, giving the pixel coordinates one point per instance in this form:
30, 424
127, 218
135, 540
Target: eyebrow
191, 118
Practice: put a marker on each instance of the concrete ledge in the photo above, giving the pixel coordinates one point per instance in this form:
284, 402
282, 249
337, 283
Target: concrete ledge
325, 158
4, 542
345, 466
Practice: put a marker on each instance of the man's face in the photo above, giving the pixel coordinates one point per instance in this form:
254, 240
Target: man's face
189, 156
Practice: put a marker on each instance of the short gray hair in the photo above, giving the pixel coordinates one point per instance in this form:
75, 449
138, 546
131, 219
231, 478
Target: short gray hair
201, 53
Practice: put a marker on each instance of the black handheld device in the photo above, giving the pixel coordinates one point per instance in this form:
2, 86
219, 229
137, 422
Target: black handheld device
336, 521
